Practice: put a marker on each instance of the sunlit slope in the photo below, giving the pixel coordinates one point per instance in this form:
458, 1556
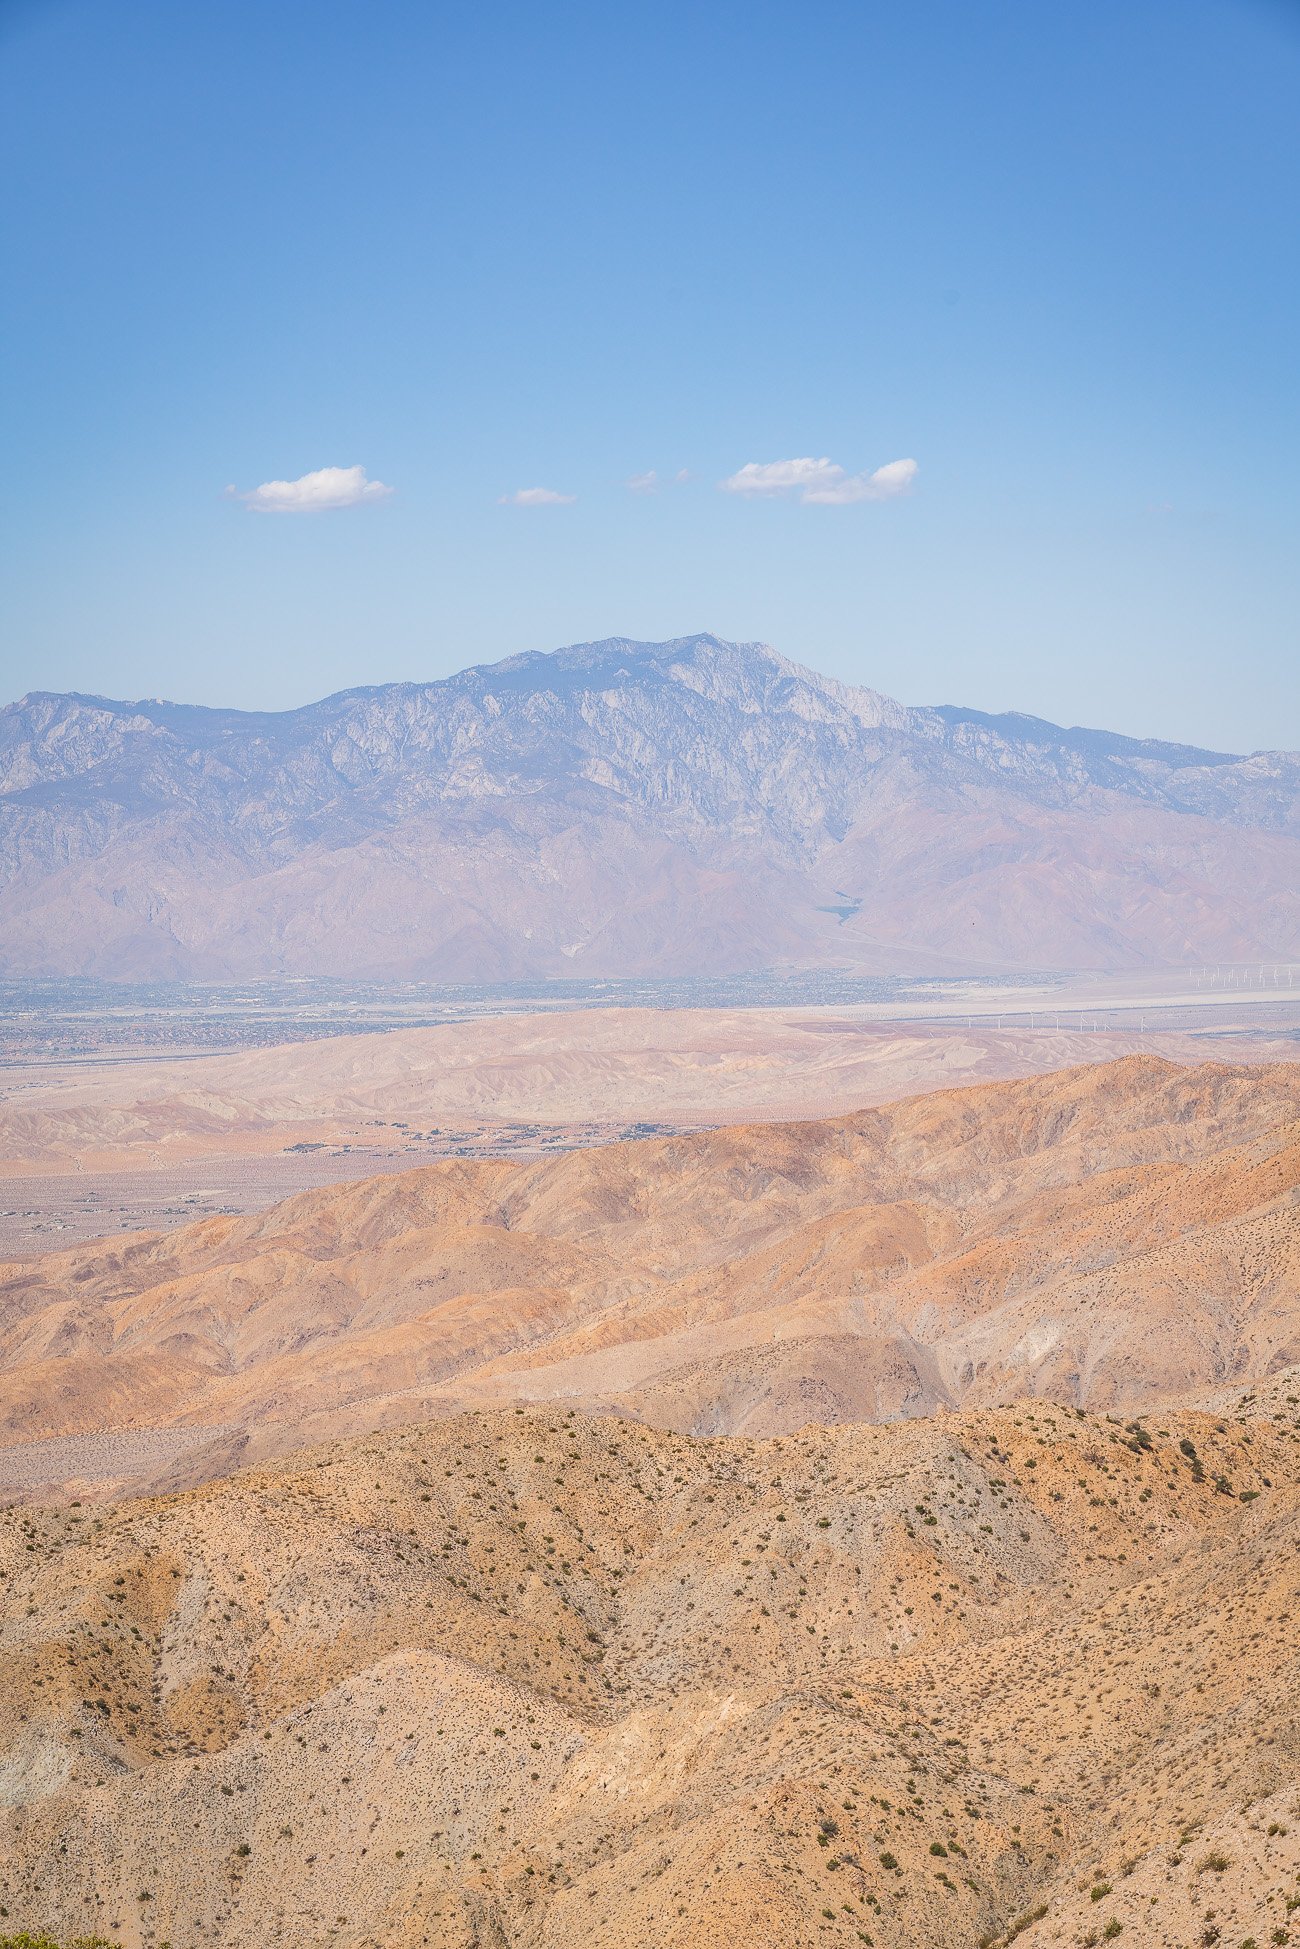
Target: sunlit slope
539, 1679
1108, 1236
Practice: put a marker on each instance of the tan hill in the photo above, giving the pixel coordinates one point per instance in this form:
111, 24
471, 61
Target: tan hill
538, 1680
626, 808
1106, 1236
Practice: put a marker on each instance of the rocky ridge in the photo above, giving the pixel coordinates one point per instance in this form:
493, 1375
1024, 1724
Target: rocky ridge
619, 808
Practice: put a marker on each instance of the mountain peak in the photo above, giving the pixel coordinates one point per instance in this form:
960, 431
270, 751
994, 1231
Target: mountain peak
752, 675
618, 807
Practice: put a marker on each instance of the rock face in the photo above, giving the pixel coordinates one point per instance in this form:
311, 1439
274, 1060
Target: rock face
619, 808
552, 1682
1103, 1237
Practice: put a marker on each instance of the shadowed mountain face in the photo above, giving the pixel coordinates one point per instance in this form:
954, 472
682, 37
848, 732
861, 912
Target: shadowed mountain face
620, 808
1105, 1237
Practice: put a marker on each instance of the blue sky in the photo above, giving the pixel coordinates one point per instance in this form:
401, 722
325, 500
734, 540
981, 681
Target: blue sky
1049, 253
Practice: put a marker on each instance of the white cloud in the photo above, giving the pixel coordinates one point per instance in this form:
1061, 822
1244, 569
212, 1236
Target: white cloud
536, 497
780, 476
650, 482
820, 483
894, 478
328, 487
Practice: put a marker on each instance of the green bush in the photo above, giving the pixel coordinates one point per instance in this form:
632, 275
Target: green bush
26, 1940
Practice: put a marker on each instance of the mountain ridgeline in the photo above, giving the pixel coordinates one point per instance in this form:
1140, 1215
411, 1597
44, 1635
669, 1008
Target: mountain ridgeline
618, 808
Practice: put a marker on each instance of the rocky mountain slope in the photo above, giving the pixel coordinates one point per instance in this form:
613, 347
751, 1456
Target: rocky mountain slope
687, 807
1102, 1237
539, 1680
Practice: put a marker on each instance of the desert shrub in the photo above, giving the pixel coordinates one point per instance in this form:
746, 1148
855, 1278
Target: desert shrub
1023, 1922
26, 1940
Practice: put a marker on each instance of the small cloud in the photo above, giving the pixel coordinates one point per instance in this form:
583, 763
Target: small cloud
780, 476
328, 487
820, 483
650, 483
883, 485
536, 497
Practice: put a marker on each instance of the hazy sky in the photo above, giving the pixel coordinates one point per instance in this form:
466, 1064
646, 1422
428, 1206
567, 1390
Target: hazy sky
1046, 252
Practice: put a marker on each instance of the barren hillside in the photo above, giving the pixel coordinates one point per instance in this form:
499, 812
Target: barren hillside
604, 1067
1103, 1236
410, 1089
539, 1680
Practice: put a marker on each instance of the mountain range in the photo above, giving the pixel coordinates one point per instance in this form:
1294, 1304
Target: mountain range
619, 808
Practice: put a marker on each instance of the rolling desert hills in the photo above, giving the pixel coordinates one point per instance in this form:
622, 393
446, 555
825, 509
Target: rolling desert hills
1104, 1236
689, 807
536, 1680
881, 1529
129, 1142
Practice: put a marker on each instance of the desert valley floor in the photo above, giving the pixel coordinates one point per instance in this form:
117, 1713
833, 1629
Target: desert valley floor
881, 1527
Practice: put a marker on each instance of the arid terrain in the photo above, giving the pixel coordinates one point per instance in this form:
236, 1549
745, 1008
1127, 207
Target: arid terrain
881, 1528
1103, 1236
538, 1679
650, 1282
407, 1090
143, 1140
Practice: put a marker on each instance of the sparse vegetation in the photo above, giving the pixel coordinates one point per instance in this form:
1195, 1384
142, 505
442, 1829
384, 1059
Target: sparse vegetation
937, 1674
